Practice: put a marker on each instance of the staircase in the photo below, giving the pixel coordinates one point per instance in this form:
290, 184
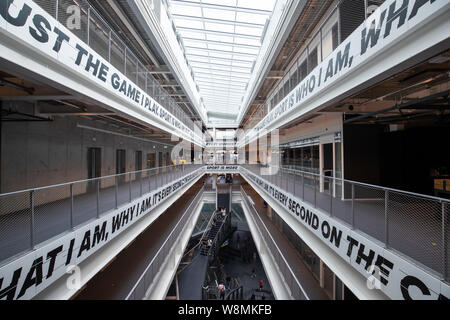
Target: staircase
214, 276
192, 271
213, 235
236, 294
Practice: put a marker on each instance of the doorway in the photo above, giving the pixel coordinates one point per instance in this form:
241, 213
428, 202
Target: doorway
327, 166
138, 164
94, 163
160, 159
151, 160
168, 159
121, 163
94, 167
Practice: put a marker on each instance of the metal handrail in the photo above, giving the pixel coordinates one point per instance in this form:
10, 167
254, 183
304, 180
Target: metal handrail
208, 227
303, 173
236, 214
205, 222
261, 110
175, 229
218, 233
201, 239
267, 232
386, 230
232, 292
188, 264
193, 249
95, 179
102, 200
93, 17
197, 246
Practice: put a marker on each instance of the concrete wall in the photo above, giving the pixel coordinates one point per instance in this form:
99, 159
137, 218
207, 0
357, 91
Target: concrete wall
35, 154
362, 153
324, 124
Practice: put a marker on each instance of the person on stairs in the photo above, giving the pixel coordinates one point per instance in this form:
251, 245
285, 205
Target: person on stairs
221, 288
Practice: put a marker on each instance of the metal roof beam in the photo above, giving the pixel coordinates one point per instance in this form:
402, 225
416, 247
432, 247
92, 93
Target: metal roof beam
224, 52
223, 43
220, 93
212, 80
38, 98
208, 82
160, 70
222, 33
219, 106
228, 98
229, 71
224, 102
218, 86
212, 76
218, 58
219, 21
169, 84
231, 89
220, 7
217, 64
68, 113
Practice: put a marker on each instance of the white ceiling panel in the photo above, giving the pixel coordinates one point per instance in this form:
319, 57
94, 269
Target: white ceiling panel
222, 40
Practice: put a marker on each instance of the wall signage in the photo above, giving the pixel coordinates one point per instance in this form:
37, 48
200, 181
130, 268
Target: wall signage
26, 20
399, 279
222, 168
392, 19
28, 275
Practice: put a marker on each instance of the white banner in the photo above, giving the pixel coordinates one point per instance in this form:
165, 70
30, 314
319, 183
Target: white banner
28, 275
25, 20
398, 278
222, 169
383, 28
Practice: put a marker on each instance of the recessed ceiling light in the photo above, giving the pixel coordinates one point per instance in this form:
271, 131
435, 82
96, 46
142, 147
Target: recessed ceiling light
439, 59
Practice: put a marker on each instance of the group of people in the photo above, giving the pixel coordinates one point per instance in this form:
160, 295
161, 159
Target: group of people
221, 213
224, 288
218, 217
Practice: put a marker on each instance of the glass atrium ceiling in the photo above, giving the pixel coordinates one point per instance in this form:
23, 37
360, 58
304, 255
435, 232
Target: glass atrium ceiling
221, 39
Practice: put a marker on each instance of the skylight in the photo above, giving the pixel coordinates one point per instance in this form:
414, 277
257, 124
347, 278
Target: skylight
221, 39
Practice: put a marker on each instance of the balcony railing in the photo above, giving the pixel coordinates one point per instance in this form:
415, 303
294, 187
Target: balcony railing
330, 34
30, 217
297, 291
413, 225
304, 64
97, 34
148, 276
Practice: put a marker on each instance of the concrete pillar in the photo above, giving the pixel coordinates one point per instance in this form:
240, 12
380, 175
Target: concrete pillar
321, 164
269, 212
322, 275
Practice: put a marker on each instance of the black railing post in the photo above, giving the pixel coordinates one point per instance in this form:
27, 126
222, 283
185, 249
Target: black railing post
32, 239
71, 206
386, 218
98, 198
